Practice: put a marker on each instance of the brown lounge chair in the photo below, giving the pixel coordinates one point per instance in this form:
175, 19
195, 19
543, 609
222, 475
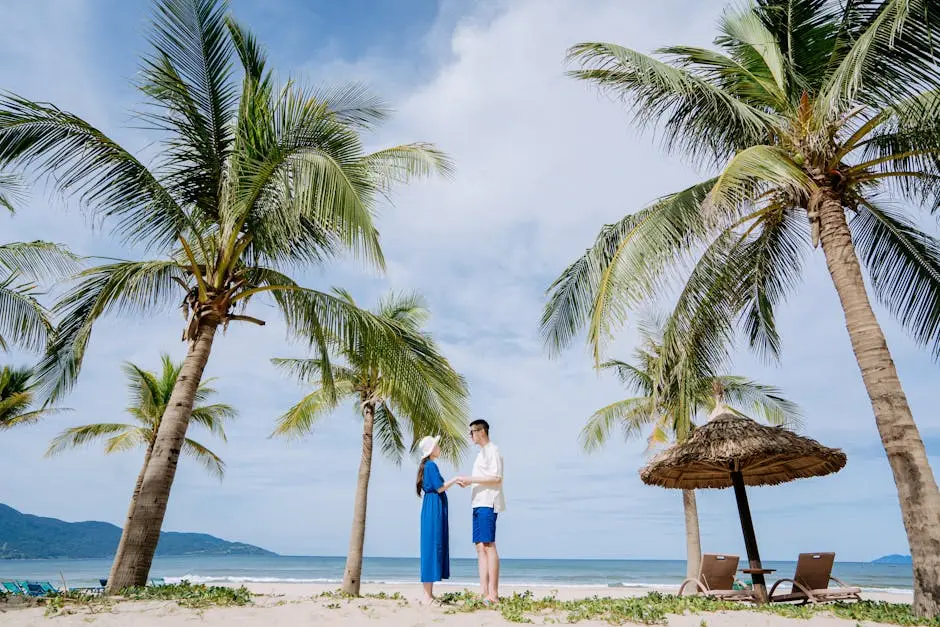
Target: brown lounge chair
811, 582
716, 579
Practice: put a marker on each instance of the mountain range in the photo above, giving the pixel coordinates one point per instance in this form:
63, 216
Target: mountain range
24, 536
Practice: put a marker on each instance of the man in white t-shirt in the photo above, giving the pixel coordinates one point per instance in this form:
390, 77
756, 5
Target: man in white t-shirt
487, 501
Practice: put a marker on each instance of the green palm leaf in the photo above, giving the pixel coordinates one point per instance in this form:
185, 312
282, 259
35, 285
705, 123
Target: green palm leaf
703, 119
83, 161
903, 264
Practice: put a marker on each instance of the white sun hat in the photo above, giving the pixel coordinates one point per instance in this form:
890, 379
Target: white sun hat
427, 444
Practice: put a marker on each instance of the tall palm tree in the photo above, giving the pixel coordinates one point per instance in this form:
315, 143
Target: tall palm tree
17, 394
671, 397
150, 394
418, 396
821, 116
254, 179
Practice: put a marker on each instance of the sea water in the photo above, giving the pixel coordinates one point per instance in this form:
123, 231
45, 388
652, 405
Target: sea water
534, 573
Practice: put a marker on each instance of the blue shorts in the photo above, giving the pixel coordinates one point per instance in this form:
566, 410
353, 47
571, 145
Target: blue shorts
484, 525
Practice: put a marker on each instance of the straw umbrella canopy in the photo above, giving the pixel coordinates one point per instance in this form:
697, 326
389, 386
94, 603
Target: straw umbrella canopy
732, 451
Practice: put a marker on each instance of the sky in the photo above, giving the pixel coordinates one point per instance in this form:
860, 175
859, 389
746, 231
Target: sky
542, 161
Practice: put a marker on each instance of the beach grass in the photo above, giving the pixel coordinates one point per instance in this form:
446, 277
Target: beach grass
653, 609
184, 594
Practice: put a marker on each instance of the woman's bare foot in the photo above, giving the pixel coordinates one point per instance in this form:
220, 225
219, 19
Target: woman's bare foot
428, 600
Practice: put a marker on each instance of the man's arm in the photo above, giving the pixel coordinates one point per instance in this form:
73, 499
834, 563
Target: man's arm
493, 477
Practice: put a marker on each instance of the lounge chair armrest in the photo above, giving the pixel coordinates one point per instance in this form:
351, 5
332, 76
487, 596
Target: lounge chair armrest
698, 584
838, 581
809, 595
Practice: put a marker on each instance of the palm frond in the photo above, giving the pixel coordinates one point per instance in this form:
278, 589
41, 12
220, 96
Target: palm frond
389, 434
76, 437
770, 270
39, 260
764, 402
631, 414
754, 46
212, 418
136, 437
188, 76
82, 161
209, 460
751, 173
891, 55
123, 287
11, 191
301, 418
625, 266
903, 264
698, 117
24, 322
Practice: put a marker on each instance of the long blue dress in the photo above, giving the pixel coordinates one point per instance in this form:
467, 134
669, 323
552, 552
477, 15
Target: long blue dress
435, 533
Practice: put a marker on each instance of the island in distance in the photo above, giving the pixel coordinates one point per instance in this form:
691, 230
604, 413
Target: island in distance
24, 536
893, 559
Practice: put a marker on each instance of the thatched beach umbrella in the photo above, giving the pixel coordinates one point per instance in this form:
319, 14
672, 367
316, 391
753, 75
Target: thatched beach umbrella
733, 451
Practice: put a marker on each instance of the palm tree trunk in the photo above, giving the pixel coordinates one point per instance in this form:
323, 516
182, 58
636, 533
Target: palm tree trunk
142, 528
917, 488
693, 540
122, 544
357, 538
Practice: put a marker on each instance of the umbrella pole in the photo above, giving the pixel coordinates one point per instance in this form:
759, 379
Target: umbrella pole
750, 538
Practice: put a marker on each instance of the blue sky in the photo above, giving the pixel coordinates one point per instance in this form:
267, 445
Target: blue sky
542, 162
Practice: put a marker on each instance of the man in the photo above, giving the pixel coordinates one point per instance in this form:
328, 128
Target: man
487, 501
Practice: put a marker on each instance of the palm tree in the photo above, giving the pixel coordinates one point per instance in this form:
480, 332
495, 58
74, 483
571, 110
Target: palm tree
670, 397
418, 396
818, 114
17, 388
150, 394
253, 180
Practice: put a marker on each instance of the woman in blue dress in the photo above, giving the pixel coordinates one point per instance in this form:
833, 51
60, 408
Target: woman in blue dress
435, 534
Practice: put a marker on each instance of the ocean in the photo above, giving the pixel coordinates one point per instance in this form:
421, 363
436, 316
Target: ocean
535, 573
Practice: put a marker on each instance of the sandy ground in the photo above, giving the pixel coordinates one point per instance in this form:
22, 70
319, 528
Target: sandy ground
287, 605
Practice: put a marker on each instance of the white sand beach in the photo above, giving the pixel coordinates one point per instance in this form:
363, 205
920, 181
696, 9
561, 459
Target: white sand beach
288, 605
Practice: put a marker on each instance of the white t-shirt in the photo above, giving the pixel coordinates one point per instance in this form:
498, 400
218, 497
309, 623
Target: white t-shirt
489, 463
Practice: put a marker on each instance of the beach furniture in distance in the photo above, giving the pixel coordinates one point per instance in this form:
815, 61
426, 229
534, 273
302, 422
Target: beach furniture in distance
716, 579
11, 587
811, 582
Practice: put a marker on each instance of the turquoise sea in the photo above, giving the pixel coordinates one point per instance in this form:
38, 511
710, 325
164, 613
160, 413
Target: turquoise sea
541, 573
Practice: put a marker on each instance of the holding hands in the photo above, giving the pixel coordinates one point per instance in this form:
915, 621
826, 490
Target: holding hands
463, 482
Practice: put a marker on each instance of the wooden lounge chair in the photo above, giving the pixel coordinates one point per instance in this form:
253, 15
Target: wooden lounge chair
811, 582
716, 579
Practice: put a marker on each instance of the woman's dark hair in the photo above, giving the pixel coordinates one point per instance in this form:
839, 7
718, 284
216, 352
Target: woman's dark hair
419, 484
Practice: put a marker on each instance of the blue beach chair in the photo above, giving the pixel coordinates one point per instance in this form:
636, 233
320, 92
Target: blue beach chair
11, 587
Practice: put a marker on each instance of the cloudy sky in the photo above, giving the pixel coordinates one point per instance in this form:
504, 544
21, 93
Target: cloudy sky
542, 163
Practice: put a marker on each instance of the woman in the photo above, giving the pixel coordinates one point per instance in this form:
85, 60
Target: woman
435, 534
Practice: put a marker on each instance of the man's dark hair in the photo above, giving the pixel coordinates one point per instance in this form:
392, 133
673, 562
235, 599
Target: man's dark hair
479, 422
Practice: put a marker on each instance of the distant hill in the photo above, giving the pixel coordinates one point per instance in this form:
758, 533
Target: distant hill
893, 559
24, 536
